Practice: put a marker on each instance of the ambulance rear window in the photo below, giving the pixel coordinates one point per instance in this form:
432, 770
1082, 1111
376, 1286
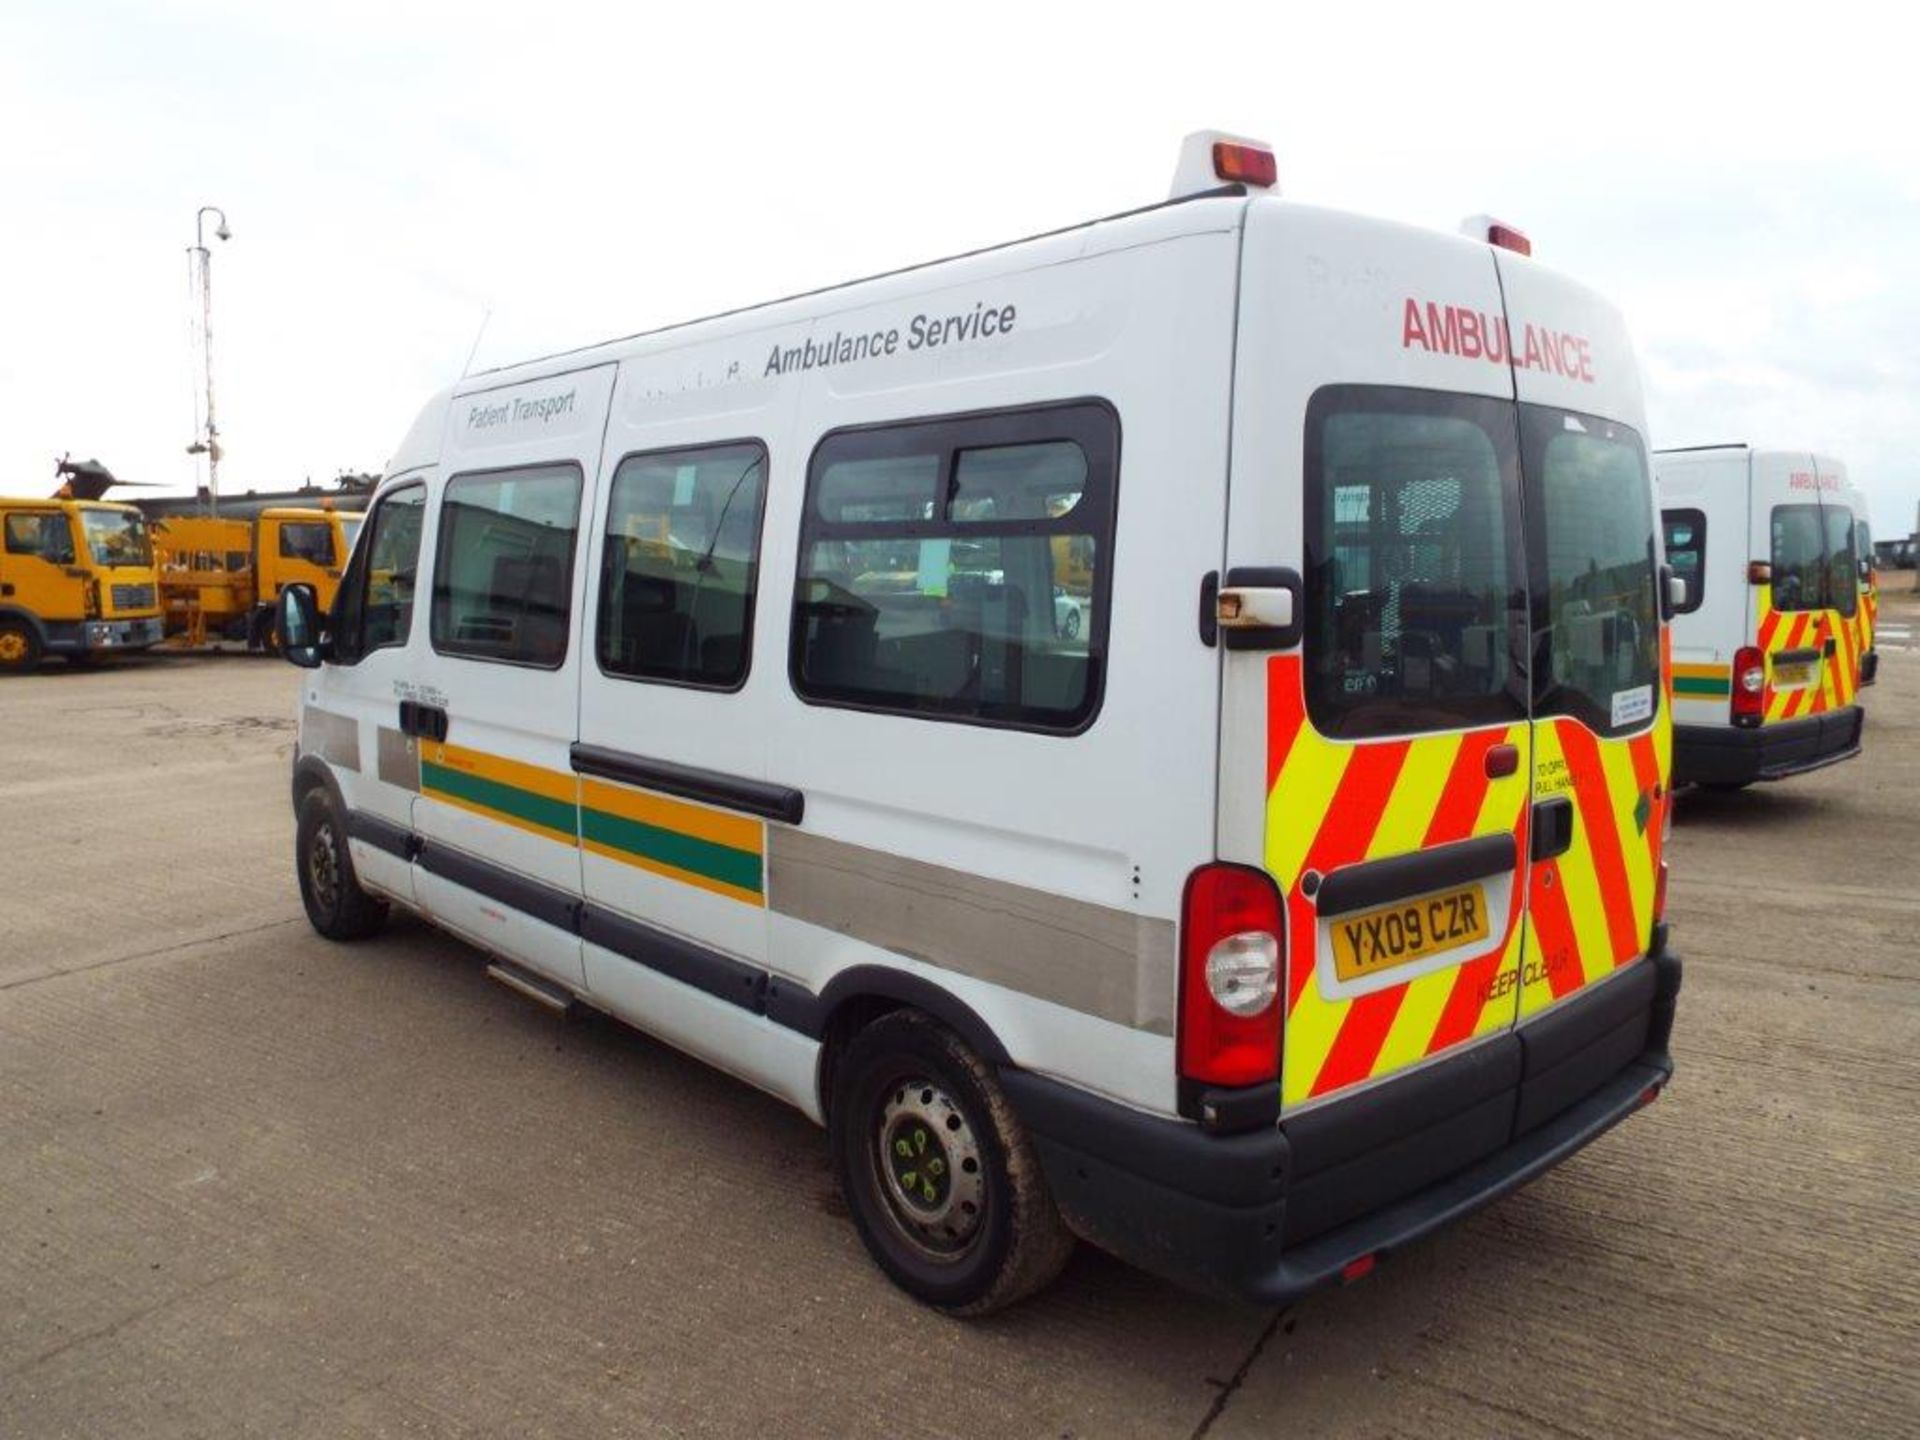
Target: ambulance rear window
1413, 559
1591, 569
1843, 579
1799, 558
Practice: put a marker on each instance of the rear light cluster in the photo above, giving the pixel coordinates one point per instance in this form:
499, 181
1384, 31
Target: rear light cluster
1749, 685
1231, 947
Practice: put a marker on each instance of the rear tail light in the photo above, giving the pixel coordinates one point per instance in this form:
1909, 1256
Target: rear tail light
1749, 685
1231, 949
1660, 893
1759, 572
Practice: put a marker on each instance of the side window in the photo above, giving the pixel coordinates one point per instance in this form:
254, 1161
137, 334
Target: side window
1799, 558
1413, 561
312, 542
44, 534
1686, 536
375, 604
503, 571
678, 574
959, 569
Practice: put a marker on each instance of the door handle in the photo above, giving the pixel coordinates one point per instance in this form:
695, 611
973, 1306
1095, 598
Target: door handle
1259, 608
425, 722
1552, 827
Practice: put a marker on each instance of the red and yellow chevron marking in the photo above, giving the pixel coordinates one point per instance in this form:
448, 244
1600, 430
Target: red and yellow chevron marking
1335, 803
1590, 910
1838, 679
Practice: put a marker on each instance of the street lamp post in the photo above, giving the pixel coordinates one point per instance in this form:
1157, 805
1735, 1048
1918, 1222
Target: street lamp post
208, 444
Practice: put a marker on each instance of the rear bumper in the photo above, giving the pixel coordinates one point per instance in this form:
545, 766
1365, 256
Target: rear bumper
83, 637
1723, 754
1273, 1215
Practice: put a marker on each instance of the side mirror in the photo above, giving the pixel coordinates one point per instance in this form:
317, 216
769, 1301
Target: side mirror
299, 619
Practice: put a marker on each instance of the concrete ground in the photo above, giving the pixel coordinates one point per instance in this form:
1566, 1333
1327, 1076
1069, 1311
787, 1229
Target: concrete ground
254, 1183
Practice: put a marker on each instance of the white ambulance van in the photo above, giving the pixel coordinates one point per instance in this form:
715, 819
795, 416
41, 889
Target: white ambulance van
1768, 644
1297, 895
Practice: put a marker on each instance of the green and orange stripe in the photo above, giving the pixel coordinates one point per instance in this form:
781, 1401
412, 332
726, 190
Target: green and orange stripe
711, 850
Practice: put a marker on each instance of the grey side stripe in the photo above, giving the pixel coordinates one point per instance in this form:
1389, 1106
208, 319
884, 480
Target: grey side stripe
1096, 959
399, 759
334, 738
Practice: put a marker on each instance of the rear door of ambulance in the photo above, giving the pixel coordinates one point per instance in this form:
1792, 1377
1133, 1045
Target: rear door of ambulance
1375, 762
1803, 616
1602, 709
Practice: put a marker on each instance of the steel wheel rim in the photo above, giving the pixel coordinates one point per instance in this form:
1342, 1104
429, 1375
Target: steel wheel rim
13, 647
929, 1167
323, 867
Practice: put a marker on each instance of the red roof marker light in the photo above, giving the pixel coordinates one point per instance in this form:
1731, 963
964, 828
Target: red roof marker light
1212, 158
1245, 164
1496, 233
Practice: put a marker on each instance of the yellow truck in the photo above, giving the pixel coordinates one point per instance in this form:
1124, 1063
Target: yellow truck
222, 578
76, 579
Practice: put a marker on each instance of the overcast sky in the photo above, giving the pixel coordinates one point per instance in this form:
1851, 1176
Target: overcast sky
1748, 191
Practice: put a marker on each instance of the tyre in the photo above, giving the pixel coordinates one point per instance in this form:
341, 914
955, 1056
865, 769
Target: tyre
940, 1176
19, 648
336, 905
1724, 787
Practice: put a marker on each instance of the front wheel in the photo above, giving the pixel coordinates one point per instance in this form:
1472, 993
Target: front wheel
940, 1176
336, 905
19, 648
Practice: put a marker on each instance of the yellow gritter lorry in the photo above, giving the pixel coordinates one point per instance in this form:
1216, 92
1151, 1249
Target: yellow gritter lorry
76, 579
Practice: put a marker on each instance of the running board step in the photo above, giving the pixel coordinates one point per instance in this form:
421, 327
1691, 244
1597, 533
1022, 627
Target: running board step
537, 988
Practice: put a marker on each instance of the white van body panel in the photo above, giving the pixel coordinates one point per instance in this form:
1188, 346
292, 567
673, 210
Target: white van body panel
1139, 315
1718, 484
517, 714
1361, 288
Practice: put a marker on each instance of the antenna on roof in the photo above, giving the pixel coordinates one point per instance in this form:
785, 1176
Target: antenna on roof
467, 369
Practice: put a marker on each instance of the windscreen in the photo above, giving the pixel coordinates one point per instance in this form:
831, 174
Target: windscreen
1589, 503
117, 538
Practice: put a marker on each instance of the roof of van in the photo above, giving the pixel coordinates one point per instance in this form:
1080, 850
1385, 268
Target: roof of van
1219, 192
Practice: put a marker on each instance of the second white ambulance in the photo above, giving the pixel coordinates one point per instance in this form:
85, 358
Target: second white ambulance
1771, 642
1152, 733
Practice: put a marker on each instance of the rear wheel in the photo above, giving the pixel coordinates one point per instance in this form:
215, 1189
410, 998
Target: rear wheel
336, 905
941, 1178
19, 648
